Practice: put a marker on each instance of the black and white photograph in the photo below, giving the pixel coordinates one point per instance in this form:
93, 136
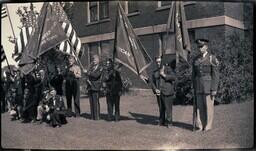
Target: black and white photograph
127, 75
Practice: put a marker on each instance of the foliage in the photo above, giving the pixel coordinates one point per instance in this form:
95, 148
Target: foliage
236, 71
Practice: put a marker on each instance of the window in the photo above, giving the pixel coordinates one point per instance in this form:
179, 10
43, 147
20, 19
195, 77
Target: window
104, 49
103, 9
167, 4
130, 7
93, 11
98, 11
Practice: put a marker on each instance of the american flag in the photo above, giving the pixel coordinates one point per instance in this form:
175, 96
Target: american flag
73, 43
21, 42
3, 12
3, 56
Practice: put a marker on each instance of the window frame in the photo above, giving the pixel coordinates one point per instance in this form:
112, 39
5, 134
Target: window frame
89, 21
160, 7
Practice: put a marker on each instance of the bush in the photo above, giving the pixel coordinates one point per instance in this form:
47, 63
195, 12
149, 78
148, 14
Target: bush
236, 71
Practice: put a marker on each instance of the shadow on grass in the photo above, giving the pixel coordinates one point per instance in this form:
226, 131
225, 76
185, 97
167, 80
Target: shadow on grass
145, 119
153, 120
105, 117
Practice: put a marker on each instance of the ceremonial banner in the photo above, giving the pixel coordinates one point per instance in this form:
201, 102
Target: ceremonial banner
176, 26
46, 35
129, 51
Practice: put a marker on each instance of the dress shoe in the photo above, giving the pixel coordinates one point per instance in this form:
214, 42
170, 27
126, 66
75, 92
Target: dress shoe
199, 130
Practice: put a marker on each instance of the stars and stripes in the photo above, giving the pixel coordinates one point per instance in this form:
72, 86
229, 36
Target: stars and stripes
3, 12
3, 56
73, 40
21, 42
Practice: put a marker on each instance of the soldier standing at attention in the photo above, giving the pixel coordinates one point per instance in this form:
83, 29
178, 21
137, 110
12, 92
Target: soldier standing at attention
205, 77
155, 87
94, 84
72, 85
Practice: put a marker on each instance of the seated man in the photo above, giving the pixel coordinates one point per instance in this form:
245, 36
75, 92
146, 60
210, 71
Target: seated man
43, 107
15, 105
56, 112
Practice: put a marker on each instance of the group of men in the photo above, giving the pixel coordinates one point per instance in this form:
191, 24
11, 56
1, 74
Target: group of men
205, 77
37, 97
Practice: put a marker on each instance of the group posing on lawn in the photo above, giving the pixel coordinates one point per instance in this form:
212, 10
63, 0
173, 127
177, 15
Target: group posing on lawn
38, 97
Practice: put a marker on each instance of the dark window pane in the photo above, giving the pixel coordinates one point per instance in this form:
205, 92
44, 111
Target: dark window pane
166, 3
93, 11
132, 7
104, 10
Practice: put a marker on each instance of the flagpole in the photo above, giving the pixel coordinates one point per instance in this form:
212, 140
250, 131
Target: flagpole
114, 50
8, 63
77, 59
10, 21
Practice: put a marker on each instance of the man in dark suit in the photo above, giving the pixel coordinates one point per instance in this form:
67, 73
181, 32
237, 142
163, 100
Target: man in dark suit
72, 85
167, 93
205, 78
156, 89
94, 84
114, 89
57, 81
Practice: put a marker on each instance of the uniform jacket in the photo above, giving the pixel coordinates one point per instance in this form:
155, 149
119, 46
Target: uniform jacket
94, 77
56, 103
205, 74
113, 81
166, 84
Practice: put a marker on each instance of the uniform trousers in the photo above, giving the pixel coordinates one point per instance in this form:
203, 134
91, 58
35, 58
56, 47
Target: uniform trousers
72, 87
94, 104
113, 100
166, 102
205, 111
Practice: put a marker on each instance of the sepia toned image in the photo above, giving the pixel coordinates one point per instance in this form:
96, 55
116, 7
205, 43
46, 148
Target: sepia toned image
127, 75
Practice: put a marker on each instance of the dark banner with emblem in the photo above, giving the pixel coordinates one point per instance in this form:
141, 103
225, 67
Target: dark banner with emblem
129, 51
47, 34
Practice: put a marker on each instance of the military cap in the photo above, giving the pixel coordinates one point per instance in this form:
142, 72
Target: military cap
202, 42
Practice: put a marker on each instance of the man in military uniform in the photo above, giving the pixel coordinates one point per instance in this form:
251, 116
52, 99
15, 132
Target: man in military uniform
94, 84
155, 87
205, 76
72, 85
114, 89
167, 93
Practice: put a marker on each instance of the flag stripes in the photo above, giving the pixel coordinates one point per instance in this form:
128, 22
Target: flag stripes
73, 40
21, 42
3, 12
71, 34
3, 56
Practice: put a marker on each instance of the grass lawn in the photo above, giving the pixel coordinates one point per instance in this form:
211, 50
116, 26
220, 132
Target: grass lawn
138, 129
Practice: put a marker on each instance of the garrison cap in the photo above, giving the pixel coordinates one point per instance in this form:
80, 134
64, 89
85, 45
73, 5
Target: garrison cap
202, 42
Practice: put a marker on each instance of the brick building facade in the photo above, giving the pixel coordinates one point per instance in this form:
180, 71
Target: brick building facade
95, 24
